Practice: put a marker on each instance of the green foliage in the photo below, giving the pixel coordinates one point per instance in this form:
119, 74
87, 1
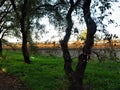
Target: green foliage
82, 36
46, 73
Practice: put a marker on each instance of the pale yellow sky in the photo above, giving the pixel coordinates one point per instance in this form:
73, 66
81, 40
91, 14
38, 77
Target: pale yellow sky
54, 35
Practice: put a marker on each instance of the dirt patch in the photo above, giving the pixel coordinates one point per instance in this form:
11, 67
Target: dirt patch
9, 82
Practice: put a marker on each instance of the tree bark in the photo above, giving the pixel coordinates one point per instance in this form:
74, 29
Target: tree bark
24, 31
1, 47
24, 43
25, 49
64, 43
23, 25
76, 77
84, 57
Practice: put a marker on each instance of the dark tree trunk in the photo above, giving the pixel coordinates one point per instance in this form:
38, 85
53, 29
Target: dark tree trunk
23, 25
64, 45
84, 57
24, 31
1, 48
24, 43
76, 77
25, 49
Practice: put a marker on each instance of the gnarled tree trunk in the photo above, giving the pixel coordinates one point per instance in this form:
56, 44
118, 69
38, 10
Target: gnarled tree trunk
76, 77
84, 57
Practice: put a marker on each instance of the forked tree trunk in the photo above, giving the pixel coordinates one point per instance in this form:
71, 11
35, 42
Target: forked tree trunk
76, 77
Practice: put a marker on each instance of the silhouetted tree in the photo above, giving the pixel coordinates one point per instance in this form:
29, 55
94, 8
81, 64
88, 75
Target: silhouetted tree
76, 77
26, 11
5, 11
23, 17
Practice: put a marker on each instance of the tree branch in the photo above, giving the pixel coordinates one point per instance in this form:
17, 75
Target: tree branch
2, 2
15, 9
1, 19
47, 5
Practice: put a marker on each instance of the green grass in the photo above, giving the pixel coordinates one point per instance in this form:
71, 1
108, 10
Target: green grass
103, 76
46, 73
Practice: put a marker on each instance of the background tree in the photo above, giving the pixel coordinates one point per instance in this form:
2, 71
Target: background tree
5, 21
22, 16
27, 14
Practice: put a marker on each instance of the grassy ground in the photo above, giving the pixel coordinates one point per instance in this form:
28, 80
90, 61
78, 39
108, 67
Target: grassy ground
46, 73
